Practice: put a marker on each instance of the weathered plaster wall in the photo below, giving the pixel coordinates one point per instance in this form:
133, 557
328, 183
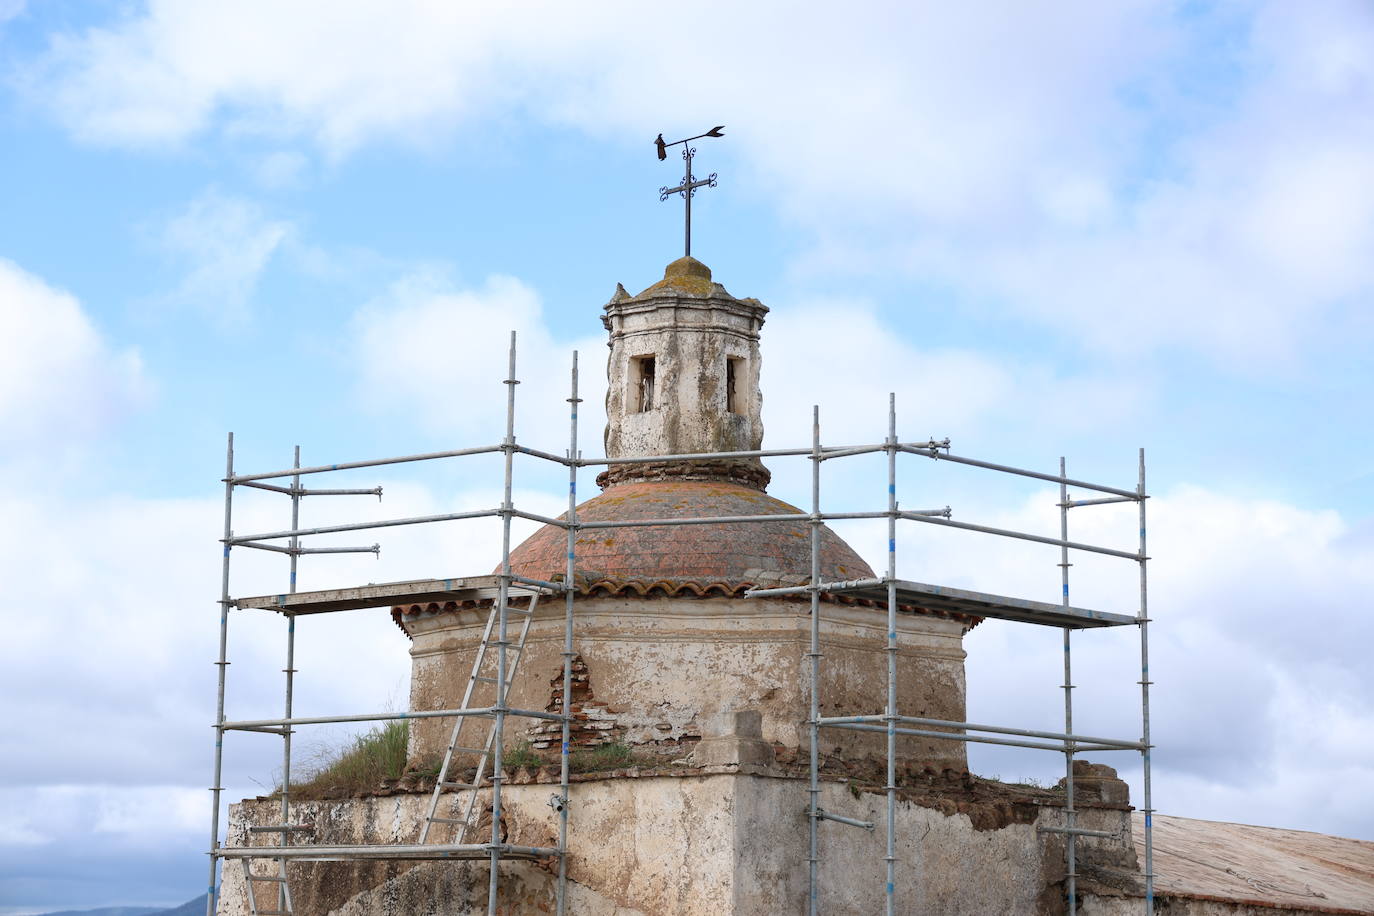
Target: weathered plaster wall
691, 327
699, 845
658, 669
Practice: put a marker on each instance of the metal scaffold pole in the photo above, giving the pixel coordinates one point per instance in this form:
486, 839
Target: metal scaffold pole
503, 638
569, 583
1146, 799
216, 789
891, 717
814, 671
1070, 815
290, 672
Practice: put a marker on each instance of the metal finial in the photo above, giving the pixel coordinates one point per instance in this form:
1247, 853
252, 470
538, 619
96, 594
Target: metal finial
689, 183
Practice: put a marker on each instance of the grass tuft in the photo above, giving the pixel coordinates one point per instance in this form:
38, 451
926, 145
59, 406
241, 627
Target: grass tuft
614, 756
379, 755
521, 755
376, 756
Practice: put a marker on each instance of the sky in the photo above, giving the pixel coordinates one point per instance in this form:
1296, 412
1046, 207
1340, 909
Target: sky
1070, 229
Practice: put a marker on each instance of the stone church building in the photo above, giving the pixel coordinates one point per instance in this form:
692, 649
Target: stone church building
696, 698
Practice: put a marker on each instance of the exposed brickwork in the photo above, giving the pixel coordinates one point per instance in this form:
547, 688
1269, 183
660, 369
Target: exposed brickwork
593, 723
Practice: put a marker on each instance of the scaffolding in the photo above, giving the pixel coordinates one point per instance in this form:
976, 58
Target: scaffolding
500, 589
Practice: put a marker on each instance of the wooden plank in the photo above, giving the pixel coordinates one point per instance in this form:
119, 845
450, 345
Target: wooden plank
383, 594
980, 604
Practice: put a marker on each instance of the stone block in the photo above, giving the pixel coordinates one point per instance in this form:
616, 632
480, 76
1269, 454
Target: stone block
1098, 783
732, 738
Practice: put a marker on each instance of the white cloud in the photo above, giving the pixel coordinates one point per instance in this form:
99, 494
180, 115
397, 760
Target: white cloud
225, 243
11, 9
1261, 700
142, 816
59, 379
1244, 235
841, 355
1062, 161
281, 169
438, 351
897, 105
129, 678
441, 352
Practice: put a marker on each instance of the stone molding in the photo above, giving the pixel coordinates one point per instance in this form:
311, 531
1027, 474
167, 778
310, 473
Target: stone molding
746, 472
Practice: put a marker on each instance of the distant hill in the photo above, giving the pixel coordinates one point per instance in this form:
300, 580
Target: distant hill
190, 908
193, 907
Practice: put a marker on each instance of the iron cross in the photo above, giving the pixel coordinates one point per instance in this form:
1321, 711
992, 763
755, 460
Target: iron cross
689, 184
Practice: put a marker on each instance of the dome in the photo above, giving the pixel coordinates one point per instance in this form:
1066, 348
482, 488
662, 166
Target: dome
686, 275
733, 553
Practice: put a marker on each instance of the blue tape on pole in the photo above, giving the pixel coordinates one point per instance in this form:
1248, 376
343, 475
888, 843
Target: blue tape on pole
890, 889
892, 488
891, 545
226, 550
1148, 819
892, 635
1066, 590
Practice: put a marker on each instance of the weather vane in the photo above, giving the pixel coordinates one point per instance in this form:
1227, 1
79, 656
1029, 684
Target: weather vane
689, 183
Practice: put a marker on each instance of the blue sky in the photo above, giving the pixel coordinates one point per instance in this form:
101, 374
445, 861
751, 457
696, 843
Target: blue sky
1072, 230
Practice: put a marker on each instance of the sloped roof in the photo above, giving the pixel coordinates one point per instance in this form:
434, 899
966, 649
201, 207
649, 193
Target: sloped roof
1259, 866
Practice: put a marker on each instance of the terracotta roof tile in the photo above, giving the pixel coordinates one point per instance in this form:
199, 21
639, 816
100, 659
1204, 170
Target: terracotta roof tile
717, 560
718, 552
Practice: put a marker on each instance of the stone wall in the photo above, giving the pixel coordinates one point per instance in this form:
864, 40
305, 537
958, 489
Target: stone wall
655, 670
712, 841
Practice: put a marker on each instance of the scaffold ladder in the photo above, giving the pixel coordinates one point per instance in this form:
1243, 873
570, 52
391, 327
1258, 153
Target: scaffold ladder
463, 824
283, 896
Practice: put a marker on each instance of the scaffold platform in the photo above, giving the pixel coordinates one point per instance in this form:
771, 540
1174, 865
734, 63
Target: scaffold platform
979, 604
388, 594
